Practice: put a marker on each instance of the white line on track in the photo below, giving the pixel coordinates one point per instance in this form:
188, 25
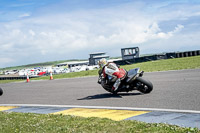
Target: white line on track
106, 107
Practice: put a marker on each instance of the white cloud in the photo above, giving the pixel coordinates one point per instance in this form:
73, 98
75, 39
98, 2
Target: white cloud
31, 32
7, 60
24, 15
56, 35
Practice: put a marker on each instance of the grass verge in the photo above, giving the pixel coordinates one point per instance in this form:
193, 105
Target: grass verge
169, 64
29, 122
159, 65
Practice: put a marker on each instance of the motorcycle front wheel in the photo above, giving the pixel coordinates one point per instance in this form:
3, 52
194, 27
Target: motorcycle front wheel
144, 86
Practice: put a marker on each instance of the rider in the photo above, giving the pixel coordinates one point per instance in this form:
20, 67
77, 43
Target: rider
112, 71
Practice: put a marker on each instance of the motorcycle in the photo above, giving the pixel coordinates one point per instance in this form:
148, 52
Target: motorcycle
133, 80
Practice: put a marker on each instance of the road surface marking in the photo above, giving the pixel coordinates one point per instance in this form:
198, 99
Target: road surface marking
3, 108
116, 115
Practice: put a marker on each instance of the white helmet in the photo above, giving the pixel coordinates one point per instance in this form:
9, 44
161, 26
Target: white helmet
102, 62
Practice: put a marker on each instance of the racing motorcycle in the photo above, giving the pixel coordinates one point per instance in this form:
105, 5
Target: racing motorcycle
133, 80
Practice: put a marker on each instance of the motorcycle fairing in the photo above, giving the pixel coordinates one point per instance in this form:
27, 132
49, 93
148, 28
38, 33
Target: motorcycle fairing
132, 74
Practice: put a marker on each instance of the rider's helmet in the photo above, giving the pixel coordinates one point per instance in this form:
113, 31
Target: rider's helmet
102, 62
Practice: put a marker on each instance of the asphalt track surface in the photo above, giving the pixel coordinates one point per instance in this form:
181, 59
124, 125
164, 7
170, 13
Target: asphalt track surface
174, 100
172, 90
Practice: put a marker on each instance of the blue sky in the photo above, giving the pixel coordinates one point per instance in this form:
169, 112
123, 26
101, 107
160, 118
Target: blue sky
33, 31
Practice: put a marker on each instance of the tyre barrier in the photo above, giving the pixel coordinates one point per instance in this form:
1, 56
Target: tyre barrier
158, 57
187, 54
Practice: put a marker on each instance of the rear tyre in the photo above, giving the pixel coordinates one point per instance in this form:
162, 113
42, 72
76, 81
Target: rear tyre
1, 92
145, 86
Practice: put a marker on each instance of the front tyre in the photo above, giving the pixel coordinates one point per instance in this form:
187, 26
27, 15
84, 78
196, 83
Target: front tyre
144, 86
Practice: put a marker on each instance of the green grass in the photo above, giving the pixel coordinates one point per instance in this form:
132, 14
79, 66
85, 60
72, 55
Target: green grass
169, 64
71, 75
29, 123
159, 65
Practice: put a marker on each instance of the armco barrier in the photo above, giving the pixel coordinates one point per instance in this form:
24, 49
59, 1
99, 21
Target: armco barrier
159, 57
19, 77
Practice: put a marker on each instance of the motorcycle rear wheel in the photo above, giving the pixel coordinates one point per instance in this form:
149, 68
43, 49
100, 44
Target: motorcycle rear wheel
145, 85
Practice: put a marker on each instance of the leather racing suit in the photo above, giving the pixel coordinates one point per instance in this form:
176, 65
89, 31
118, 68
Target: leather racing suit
114, 73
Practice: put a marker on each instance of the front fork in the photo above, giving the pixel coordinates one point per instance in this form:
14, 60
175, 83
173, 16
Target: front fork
141, 73
138, 84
